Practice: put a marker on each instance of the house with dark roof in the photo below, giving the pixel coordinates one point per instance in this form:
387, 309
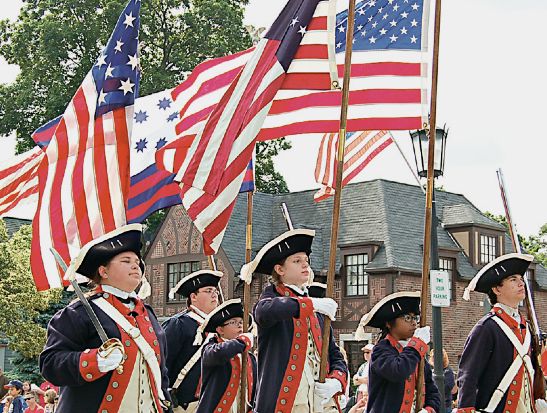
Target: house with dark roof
380, 248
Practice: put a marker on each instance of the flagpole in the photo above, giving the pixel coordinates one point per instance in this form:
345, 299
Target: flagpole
429, 196
246, 303
338, 186
213, 266
412, 171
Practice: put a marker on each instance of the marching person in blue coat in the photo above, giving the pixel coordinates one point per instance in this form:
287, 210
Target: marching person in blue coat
183, 357
496, 372
395, 358
221, 360
129, 376
290, 328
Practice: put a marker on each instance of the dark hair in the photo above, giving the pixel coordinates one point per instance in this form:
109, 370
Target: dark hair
188, 301
492, 297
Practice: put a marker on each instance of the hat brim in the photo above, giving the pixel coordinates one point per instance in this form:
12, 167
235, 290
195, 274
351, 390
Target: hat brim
496, 272
196, 280
391, 307
224, 312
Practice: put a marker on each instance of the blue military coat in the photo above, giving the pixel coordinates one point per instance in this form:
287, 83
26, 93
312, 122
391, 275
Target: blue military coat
282, 317
221, 374
392, 377
69, 357
487, 355
180, 332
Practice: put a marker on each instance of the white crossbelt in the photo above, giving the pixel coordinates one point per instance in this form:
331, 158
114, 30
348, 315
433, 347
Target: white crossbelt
521, 357
188, 366
134, 332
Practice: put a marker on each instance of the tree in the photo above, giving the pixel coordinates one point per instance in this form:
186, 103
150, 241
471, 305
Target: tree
56, 42
533, 244
267, 178
21, 304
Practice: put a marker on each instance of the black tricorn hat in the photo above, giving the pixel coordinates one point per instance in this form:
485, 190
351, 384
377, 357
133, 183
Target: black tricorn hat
227, 310
194, 281
102, 249
318, 290
389, 308
493, 273
275, 251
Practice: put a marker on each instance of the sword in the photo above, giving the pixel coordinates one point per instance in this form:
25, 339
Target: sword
108, 344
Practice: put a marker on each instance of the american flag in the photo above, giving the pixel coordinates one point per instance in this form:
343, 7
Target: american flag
388, 78
19, 180
84, 180
214, 168
361, 149
387, 92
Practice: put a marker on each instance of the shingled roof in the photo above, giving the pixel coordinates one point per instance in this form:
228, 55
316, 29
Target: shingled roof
386, 213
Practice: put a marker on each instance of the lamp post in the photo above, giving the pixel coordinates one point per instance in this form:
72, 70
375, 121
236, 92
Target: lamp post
420, 143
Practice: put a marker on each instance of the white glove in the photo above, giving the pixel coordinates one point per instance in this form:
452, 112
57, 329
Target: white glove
327, 389
541, 406
423, 411
326, 306
109, 362
424, 334
249, 336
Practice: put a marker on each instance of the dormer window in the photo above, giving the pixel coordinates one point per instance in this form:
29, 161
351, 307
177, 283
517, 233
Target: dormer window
488, 248
356, 277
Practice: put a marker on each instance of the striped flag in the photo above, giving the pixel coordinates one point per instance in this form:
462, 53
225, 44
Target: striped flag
214, 168
361, 149
19, 180
388, 88
248, 184
84, 180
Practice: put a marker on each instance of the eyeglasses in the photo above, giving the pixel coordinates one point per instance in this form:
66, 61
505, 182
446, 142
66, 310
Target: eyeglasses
210, 291
410, 318
235, 323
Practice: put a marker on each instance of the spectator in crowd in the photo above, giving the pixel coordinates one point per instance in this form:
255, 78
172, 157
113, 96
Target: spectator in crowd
450, 387
15, 390
6, 402
33, 406
41, 391
50, 398
27, 388
3, 381
360, 379
361, 405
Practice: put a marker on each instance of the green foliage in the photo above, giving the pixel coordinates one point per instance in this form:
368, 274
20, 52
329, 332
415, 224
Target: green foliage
533, 244
56, 42
20, 302
268, 180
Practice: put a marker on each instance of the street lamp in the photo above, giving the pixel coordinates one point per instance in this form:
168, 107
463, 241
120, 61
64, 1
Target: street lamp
420, 145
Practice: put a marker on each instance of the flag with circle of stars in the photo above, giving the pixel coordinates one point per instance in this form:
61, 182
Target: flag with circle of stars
116, 72
383, 25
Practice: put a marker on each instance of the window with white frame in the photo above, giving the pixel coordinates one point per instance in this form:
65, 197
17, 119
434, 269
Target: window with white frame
487, 248
356, 277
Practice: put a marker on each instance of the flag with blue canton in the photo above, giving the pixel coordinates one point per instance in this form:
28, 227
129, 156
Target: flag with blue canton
117, 70
83, 181
383, 25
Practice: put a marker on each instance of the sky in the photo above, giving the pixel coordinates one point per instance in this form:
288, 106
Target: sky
491, 88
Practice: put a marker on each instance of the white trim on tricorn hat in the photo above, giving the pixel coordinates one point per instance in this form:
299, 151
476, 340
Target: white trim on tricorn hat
195, 283
367, 318
222, 308
501, 271
280, 242
72, 270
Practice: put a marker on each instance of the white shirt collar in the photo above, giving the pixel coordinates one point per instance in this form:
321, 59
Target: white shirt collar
198, 312
298, 290
117, 292
513, 312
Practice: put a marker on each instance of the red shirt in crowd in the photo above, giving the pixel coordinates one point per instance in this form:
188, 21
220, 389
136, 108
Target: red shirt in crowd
37, 409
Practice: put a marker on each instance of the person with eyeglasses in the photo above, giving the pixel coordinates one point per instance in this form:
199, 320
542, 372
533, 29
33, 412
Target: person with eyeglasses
290, 328
200, 289
496, 370
221, 360
394, 362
